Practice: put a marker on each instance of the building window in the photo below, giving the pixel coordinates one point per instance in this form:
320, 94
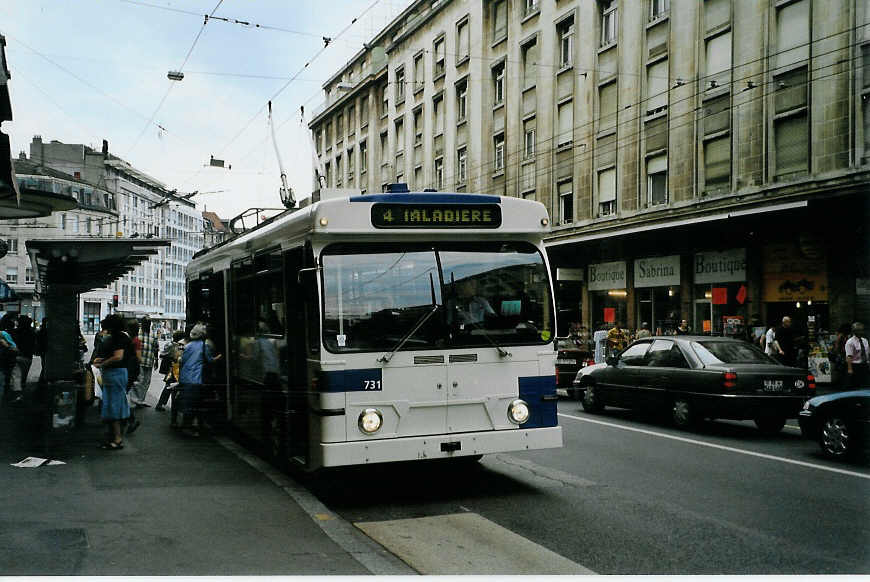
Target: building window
566, 124
438, 50
718, 61
865, 96
438, 114
658, 8
400, 84
462, 43
350, 173
461, 165
716, 124
607, 99
529, 144
791, 122
384, 100
530, 63
499, 20
657, 87
439, 173
328, 134
565, 31
461, 100
338, 170
608, 21
657, 180
607, 192
28, 276
363, 157
339, 127
418, 178
12, 243
530, 6
498, 148
364, 111
318, 136
419, 73
418, 126
792, 33
566, 202
385, 150
498, 83
400, 135
12, 275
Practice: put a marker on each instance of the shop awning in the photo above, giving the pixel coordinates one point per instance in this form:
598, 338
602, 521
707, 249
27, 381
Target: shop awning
83, 264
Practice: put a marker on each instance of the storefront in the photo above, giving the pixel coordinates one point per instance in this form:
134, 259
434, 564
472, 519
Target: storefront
607, 295
720, 293
657, 292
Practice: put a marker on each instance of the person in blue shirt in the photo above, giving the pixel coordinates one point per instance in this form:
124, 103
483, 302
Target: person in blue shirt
8, 352
196, 356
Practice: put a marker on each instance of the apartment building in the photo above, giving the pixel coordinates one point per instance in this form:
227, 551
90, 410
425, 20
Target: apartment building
144, 208
705, 161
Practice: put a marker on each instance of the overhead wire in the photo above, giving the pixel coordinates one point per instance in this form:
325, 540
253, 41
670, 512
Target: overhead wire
172, 83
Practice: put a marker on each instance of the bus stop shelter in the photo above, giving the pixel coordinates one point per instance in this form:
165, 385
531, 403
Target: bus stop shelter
64, 269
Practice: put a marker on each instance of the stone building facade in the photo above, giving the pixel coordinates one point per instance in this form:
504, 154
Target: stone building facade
663, 136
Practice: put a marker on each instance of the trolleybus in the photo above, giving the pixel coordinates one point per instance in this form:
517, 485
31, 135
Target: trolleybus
385, 327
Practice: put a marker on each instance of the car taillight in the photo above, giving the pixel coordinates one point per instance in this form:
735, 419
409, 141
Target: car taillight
811, 382
729, 380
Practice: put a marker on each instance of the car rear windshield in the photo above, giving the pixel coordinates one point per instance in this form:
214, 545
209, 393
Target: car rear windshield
722, 352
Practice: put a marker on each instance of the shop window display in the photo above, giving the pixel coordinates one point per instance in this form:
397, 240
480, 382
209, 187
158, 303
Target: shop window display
720, 309
660, 307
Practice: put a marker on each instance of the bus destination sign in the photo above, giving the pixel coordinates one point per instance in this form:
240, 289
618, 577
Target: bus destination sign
436, 215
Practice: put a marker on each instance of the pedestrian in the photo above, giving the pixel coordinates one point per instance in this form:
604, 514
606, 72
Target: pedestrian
768, 342
196, 356
8, 353
837, 357
683, 328
25, 338
643, 331
41, 345
169, 366
785, 340
148, 343
132, 361
857, 366
616, 339
114, 349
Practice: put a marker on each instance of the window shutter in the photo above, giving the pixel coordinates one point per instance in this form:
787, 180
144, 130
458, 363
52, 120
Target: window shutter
607, 107
793, 32
566, 123
607, 185
657, 86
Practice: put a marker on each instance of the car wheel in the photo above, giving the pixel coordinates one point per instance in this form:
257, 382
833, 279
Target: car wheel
770, 425
591, 402
682, 413
835, 438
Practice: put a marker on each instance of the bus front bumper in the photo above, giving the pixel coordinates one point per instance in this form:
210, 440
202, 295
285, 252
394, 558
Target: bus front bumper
443, 446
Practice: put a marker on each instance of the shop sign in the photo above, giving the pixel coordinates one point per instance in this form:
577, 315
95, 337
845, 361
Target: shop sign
657, 271
720, 267
794, 272
564, 274
604, 276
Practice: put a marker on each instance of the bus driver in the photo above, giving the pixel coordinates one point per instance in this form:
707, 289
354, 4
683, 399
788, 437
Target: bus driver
471, 307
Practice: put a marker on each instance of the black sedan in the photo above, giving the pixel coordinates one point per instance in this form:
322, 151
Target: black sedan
840, 422
696, 377
570, 358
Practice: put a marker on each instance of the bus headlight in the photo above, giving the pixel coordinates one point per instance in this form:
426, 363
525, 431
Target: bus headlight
518, 412
370, 420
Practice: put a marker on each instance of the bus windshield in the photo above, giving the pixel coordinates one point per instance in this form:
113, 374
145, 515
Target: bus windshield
483, 294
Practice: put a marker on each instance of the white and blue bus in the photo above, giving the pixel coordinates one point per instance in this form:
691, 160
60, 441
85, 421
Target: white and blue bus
385, 327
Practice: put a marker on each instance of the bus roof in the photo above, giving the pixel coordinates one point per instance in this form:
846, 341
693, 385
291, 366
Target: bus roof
387, 216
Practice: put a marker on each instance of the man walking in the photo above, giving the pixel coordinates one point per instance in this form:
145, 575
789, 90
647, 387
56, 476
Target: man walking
857, 367
785, 340
148, 362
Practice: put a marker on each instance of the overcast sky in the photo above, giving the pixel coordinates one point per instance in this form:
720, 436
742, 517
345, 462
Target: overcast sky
87, 70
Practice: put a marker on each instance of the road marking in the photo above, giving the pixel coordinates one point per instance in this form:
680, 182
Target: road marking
466, 543
365, 550
720, 447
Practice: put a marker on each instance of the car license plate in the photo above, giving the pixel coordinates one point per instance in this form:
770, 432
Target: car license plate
773, 385
564, 362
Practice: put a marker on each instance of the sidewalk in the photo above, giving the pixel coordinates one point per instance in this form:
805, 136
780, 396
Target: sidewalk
164, 505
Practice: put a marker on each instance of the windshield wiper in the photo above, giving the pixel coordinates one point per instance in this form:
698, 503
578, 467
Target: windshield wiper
501, 351
423, 319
